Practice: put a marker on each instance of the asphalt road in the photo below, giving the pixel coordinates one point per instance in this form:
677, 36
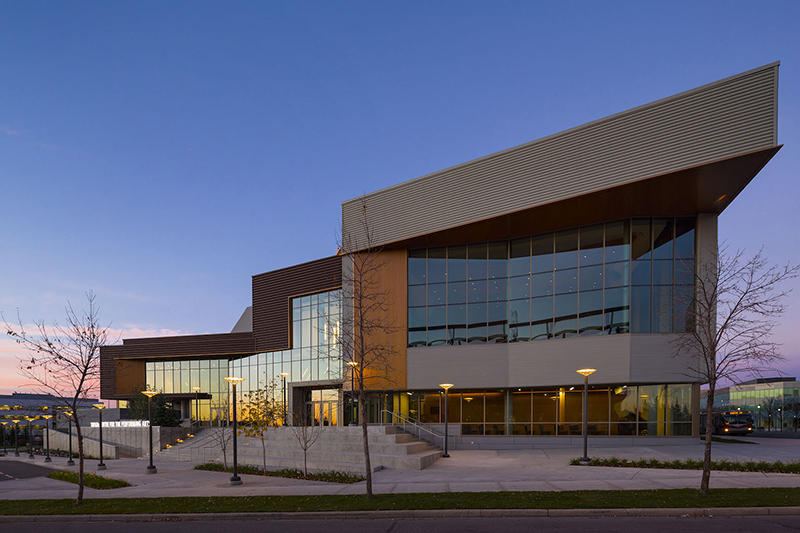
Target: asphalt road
771, 524
18, 470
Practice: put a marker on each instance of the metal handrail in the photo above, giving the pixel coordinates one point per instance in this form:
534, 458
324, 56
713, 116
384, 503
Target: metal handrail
417, 424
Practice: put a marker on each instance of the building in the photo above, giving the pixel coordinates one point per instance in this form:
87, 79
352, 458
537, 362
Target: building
505, 275
773, 402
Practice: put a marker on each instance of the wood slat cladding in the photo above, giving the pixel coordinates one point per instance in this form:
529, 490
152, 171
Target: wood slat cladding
190, 345
108, 356
272, 293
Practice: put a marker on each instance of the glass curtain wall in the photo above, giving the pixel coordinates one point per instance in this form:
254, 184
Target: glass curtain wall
316, 320
618, 277
624, 410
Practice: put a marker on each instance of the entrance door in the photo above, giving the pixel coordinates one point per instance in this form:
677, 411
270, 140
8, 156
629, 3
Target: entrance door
322, 408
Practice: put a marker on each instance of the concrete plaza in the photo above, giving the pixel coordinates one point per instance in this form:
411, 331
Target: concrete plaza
464, 471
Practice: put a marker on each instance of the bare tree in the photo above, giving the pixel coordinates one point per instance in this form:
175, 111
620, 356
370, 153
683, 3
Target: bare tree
792, 405
305, 434
262, 412
64, 361
729, 321
223, 434
366, 328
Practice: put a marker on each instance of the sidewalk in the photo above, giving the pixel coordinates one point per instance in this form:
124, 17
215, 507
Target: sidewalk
464, 471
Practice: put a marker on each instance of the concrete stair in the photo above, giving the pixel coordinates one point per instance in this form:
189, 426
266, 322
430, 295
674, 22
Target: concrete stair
337, 448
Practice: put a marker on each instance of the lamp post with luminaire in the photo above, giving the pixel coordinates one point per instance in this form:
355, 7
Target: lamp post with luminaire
30, 419
47, 434
197, 405
68, 414
151, 469
446, 387
352, 365
235, 479
16, 438
285, 406
5, 450
100, 406
585, 372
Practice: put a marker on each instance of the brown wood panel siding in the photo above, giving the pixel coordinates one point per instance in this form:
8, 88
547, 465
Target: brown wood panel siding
129, 376
108, 355
272, 293
392, 278
190, 345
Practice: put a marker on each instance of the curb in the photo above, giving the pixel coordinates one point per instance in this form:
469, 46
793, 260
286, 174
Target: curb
415, 514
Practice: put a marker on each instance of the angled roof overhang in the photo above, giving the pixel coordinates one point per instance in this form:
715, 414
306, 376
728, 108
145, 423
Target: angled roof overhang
685, 154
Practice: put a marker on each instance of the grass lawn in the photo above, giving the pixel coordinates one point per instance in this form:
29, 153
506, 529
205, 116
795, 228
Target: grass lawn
585, 499
90, 480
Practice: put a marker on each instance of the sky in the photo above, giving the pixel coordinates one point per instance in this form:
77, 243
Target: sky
162, 153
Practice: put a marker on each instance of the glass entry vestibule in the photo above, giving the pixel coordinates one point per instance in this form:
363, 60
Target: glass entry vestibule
320, 407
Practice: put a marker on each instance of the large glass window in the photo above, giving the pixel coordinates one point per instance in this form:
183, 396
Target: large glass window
618, 277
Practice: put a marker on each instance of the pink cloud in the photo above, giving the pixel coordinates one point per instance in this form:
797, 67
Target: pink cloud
11, 380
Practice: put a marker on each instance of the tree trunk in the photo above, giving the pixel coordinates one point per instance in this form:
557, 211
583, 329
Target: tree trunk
362, 412
707, 449
79, 501
264, 449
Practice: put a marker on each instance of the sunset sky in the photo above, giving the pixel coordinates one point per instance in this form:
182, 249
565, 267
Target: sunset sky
162, 153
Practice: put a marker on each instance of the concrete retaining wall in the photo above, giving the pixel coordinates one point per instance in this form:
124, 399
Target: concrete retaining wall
126, 442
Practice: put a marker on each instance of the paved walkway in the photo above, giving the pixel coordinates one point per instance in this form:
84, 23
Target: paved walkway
464, 471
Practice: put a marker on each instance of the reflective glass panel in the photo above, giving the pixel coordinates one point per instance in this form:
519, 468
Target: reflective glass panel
476, 291
437, 294
520, 253
477, 314
641, 272
566, 281
662, 309
591, 278
566, 249
498, 260
542, 284
519, 287
640, 309
437, 316
498, 290
591, 245
476, 261
618, 241
684, 238
437, 265
456, 315
617, 274
641, 239
457, 292
417, 295
662, 238
542, 253
456, 263
662, 272
417, 268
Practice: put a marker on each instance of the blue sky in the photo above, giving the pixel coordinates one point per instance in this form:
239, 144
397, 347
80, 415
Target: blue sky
162, 153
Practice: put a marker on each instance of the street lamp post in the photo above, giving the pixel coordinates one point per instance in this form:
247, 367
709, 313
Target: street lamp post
16, 438
151, 469
47, 433
5, 450
446, 387
100, 406
285, 405
30, 436
586, 372
352, 365
235, 479
68, 414
197, 405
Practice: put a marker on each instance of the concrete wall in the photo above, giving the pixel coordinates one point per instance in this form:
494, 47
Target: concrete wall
639, 358
119, 442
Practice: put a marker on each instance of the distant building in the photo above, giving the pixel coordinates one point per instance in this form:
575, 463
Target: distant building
773, 402
505, 275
